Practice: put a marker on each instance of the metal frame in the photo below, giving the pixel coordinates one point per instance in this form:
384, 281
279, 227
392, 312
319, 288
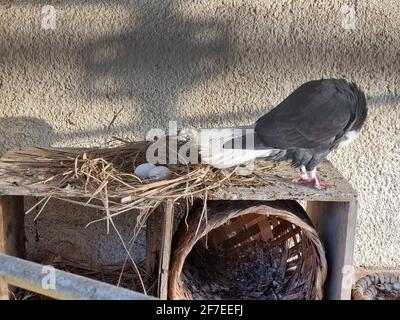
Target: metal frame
67, 286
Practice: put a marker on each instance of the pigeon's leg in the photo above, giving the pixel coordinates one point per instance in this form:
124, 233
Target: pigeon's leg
309, 178
303, 177
314, 182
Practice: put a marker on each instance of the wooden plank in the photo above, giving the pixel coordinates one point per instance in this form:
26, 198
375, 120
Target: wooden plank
12, 232
277, 177
265, 230
217, 236
336, 225
165, 252
3, 284
241, 236
279, 185
243, 222
282, 227
153, 240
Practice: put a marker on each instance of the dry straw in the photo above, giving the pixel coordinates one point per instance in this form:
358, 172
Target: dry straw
103, 179
377, 286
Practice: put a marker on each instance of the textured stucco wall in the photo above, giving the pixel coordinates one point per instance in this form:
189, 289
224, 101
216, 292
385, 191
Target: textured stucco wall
202, 63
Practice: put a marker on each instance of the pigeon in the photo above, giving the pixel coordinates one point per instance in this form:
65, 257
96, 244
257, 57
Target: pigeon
316, 118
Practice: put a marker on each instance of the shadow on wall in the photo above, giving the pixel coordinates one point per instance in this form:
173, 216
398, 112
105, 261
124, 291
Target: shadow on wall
159, 53
18, 132
157, 57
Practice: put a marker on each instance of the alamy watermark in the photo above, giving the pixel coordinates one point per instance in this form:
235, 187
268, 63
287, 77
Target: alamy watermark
49, 278
216, 146
49, 18
348, 277
349, 19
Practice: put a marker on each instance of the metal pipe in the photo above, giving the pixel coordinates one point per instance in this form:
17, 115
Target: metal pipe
58, 284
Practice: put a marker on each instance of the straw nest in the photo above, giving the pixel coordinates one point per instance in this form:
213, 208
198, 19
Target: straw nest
103, 179
265, 250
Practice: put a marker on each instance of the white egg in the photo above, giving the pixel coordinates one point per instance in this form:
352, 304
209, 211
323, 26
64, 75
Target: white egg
143, 170
159, 173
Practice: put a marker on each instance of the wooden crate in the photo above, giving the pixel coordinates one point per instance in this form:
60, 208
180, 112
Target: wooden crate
332, 211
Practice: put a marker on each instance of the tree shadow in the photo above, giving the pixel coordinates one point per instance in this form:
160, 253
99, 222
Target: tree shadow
19, 132
156, 59
161, 52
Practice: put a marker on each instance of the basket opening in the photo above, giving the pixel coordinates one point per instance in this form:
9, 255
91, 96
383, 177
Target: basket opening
247, 250
249, 257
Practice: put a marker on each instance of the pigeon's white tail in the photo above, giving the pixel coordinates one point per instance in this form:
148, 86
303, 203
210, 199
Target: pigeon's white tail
211, 144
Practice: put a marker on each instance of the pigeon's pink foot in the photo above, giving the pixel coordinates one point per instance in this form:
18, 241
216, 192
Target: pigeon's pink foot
323, 185
320, 185
299, 179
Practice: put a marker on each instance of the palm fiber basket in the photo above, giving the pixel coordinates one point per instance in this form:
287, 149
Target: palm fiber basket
259, 250
377, 286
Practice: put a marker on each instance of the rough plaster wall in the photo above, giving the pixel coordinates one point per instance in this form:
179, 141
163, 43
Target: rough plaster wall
67, 231
202, 63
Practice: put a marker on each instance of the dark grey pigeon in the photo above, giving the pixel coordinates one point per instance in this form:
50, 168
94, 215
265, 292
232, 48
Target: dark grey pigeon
319, 116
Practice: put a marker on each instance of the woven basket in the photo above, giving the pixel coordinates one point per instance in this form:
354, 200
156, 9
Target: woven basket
269, 249
377, 286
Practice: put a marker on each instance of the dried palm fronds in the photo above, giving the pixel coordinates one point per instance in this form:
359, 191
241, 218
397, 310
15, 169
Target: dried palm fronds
102, 178
377, 286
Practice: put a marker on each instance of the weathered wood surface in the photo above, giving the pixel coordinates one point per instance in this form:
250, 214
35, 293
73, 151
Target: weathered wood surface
12, 232
277, 185
336, 225
333, 211
153, 240
165, 250
159, 231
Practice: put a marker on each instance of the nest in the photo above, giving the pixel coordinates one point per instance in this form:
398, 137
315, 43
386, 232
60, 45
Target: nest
103, 179
247, 250
378, 286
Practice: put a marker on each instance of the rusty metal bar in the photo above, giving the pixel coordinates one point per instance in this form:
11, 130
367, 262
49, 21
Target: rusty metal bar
58, 284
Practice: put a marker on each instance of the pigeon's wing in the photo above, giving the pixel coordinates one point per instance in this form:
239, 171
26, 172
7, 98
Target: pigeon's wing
315, 114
